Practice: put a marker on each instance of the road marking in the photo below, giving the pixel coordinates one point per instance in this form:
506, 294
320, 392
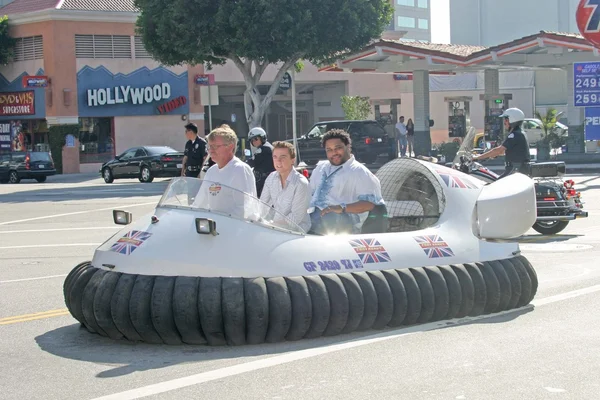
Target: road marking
34, 279
76, 213
238, 369
50, 245
32, 317
63, 229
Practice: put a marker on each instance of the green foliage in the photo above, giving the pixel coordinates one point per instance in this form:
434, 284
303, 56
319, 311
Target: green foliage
356, 107
7, 43
56, 138
210, 31
551, 136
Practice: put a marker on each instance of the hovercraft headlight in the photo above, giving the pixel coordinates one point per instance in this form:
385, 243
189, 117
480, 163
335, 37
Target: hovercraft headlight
122, 217
206, 226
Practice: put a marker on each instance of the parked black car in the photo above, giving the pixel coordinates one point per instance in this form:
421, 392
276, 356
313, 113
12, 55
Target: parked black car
144, 163
369, 140
19, 165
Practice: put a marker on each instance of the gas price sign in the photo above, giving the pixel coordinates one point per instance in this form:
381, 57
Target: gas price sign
586, 85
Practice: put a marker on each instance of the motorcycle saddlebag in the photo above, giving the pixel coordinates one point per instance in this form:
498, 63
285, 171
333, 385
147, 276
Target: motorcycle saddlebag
548, 169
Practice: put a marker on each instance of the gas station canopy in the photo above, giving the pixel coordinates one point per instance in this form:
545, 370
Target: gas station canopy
542, 50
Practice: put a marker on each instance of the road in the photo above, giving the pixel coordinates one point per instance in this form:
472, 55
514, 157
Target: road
545, 351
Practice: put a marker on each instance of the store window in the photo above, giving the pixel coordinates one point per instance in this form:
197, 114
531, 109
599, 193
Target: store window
25, 135
409, 3
406, 22
423, 4
96, 140
423, 24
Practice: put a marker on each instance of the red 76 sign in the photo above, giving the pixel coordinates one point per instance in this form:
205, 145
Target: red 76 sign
588, 20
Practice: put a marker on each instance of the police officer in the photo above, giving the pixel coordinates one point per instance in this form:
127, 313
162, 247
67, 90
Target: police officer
515, 148
262, 159
195, 152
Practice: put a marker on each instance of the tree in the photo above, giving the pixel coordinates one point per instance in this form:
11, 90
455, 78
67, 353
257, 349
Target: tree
550, 136
7, 43
356, 107
256, 33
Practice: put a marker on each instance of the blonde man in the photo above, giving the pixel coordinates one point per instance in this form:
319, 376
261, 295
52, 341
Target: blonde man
229, 172
285, 189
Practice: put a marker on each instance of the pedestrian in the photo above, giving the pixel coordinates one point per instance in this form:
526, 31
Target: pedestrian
402, 135
410, 137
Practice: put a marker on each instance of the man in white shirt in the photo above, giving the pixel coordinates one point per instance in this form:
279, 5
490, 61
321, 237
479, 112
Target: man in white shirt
229, 185
402, 132
343, 190
286, 190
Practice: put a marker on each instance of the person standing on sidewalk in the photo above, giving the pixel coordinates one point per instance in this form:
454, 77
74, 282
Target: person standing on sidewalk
410, 136
195, 152
402, 136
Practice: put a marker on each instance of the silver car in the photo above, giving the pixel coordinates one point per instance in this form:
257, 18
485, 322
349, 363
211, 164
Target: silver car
534, 130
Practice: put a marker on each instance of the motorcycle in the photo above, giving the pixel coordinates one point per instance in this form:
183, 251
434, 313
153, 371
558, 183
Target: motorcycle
557, 201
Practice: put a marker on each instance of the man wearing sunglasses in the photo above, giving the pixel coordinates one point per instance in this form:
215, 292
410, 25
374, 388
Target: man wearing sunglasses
515, 148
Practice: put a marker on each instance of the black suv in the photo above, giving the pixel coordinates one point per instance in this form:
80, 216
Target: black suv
369, 140
19, 165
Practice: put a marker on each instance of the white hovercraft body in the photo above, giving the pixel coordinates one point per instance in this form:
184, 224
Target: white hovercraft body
470, 212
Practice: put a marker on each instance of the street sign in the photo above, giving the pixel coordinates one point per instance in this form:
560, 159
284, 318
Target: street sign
205, 79
592, 123
586, 84
286, 81
588, 20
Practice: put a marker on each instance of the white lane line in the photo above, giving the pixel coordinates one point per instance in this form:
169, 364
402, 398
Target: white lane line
63, 229
76, 213
226, 372
34, 279
50, 245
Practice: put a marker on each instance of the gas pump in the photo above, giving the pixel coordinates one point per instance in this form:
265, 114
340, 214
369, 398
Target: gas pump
493, 126
459, 118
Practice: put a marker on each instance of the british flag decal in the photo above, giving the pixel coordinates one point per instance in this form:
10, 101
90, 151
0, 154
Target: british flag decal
434, 246
370, 251
131, 241
455, 179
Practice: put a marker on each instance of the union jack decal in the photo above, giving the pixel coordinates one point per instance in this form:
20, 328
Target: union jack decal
455, 179
434, 246
131, 241
370, 251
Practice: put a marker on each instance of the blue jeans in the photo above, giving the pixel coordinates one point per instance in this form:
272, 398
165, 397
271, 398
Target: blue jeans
330, 223
403, 144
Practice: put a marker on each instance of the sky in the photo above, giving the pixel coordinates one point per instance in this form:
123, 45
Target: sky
440, 21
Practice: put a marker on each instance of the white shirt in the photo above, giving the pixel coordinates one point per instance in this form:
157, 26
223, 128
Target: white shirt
346, 184
401, 128
292, 201
223, 189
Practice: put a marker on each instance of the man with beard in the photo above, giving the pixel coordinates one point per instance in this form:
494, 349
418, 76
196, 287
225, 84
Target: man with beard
343, 190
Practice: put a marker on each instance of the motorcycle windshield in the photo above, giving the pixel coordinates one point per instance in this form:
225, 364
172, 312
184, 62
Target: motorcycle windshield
466, 148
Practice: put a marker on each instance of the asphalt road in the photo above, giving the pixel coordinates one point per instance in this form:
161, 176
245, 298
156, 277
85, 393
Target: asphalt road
545, 351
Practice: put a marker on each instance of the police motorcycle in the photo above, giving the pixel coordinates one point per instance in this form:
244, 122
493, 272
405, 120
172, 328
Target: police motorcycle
558, 202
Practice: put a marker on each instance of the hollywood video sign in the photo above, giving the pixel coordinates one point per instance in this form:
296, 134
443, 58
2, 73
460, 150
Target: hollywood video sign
128, 94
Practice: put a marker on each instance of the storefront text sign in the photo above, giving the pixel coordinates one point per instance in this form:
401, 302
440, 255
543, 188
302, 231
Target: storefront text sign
17, 103
5, 133
102, 93
128, 94
35, 81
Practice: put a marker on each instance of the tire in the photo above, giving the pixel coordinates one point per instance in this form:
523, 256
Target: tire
257, 310
140, 309
301, 307
13, 177
356, 302
41, 179
550, 227
102, 307
185, 310
145, 175
161, 310
107, 175
280, 310
427, 295
321, 306
234, 311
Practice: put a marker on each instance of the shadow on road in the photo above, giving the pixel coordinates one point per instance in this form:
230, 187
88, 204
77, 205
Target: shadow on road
76, 343
58, 194
542, 239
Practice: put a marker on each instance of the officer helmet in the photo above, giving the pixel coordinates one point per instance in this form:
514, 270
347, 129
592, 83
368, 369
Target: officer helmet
515, 117
257, 132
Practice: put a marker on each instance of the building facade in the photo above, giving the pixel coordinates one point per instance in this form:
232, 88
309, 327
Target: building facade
413, 17
490, 23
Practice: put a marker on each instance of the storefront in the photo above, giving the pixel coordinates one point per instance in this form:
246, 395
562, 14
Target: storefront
119, 110
23, 113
